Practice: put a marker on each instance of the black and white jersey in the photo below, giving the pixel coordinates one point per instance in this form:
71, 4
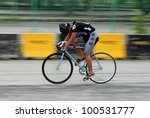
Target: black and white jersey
84, 29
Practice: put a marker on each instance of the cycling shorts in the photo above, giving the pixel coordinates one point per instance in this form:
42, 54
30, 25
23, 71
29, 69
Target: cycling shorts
93, 38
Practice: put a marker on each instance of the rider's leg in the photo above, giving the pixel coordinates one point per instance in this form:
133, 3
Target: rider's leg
78, 50
89, 63
88, 50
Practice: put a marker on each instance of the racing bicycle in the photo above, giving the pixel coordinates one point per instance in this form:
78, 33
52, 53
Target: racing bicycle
58, 67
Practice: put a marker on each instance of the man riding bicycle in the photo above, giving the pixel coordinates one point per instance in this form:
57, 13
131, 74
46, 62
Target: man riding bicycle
86, 32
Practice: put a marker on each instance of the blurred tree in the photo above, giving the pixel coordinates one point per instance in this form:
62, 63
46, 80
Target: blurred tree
141, 10
143, 5
88, 5
140, 20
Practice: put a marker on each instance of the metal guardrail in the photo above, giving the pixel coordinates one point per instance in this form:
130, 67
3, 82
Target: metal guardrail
68, 10
27, 15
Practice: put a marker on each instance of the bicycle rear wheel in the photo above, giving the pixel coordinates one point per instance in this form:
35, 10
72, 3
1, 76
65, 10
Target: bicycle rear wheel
104, 67
57, 68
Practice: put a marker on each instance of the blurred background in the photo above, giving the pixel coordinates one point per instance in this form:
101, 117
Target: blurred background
108, 16
29, 31
129, 19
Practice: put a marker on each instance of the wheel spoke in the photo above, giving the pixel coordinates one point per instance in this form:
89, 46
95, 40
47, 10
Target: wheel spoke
57, 68
104, 67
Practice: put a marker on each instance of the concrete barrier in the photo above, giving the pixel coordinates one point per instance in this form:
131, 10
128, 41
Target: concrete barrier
38, 45
113, 44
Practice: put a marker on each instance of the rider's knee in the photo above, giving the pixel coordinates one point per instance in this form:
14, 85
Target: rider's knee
75, 42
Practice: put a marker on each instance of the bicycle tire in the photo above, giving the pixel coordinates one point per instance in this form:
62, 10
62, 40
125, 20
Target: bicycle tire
52, 73
108, 70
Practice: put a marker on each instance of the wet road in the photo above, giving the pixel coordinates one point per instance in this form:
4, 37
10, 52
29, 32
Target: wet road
23, 80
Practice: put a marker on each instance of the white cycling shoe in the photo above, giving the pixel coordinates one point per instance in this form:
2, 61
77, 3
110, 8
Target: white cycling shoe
88, 77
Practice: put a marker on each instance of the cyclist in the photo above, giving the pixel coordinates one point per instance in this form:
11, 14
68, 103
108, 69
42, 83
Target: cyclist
86, 32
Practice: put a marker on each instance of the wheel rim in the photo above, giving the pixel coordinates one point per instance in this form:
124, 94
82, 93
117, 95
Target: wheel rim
54, 74
108, 70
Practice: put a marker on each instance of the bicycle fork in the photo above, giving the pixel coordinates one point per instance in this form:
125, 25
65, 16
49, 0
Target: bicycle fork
61, 59
99, 65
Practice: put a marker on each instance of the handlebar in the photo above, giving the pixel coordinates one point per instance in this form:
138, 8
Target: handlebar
71, 47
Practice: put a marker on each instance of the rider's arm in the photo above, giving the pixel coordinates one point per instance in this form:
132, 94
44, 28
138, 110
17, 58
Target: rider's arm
68, 36
70, 40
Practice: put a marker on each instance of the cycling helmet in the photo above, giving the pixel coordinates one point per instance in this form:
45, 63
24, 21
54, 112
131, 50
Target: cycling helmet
63, 29
68, 25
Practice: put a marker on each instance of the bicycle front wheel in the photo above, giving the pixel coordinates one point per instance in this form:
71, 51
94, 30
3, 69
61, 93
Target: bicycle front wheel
104, 67
57, 68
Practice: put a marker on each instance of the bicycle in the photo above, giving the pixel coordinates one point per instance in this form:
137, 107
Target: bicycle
57, 68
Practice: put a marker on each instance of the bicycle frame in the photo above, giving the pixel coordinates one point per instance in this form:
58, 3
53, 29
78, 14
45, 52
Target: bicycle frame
69, 55
97, 66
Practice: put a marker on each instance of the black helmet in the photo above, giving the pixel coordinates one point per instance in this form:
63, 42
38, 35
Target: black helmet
68, 25
63, 28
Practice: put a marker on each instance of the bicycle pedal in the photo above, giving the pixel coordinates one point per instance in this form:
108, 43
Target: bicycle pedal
85, 78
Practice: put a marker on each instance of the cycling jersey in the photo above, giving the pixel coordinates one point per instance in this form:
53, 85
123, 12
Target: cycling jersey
84, 29
87, 33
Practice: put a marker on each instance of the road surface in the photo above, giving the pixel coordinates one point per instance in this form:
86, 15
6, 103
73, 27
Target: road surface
23, 80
